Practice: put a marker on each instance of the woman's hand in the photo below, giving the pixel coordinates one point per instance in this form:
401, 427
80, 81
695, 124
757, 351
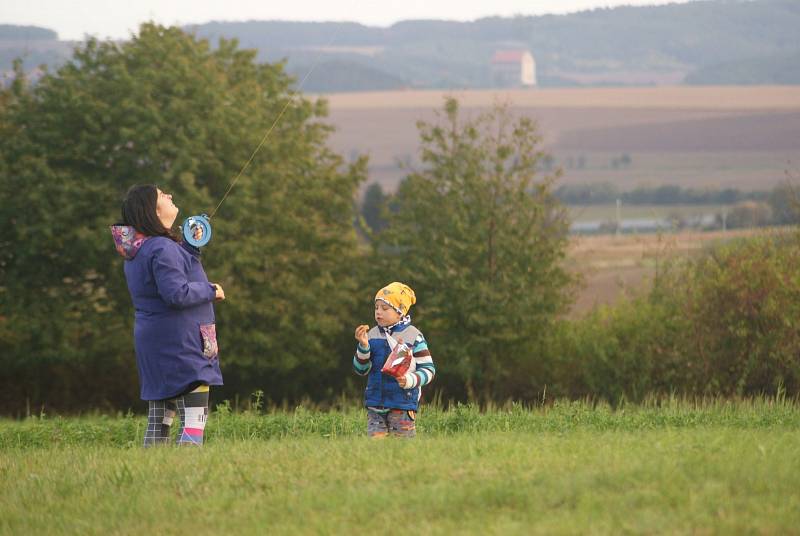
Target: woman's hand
220, 295
361, 335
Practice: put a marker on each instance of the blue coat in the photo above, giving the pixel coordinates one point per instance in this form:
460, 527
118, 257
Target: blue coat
383, 390
174, 330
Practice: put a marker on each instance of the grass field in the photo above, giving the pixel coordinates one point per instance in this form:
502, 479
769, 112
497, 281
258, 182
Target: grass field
674, 467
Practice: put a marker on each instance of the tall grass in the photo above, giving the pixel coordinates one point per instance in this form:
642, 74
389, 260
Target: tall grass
558, 416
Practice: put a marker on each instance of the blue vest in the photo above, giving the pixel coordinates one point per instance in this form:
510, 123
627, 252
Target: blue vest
382, 389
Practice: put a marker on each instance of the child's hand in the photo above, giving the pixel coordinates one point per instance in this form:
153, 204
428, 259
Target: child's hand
361, 335
402, 381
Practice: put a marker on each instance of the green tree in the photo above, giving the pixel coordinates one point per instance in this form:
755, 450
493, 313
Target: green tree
373, 207
783, 201
166, 108
481, 239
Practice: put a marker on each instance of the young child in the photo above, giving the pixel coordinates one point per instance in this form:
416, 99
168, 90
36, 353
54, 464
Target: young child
392, 404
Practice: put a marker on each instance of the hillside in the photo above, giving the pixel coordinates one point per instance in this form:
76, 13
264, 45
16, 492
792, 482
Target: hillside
706, 42
625, 45
35, 46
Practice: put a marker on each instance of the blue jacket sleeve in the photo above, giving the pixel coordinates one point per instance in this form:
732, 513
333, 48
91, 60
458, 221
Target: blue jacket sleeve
172, 280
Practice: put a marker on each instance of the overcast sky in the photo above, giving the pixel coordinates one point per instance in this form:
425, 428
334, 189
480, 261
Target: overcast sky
73, 19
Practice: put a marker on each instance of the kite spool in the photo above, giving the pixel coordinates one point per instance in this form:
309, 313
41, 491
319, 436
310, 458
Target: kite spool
197, 230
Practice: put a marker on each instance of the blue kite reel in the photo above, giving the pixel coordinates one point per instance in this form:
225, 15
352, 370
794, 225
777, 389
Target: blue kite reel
197, 230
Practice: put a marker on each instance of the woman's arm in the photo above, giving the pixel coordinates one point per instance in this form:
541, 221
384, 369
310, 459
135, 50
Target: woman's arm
172, 281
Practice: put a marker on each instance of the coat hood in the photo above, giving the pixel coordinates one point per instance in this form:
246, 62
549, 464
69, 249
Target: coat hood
127, 240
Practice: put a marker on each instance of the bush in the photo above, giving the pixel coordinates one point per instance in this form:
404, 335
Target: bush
724, 324
744, 301
750, 214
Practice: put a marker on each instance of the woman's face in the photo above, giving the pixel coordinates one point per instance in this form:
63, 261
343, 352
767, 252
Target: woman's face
166, 209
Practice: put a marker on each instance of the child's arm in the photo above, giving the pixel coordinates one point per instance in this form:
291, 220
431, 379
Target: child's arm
426, 370
361, 361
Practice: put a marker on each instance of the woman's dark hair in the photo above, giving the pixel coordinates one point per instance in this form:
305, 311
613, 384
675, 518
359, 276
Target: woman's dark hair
139, 211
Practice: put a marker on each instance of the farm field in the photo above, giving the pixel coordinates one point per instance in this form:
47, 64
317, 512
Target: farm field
608, 212
715, 170
716, 137
613, 267
668, 97
661, 468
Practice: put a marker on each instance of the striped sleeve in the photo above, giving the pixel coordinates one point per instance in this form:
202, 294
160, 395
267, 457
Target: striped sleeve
426, 370
361, 361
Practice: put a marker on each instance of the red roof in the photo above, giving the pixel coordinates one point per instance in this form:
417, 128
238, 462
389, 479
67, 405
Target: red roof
508, 56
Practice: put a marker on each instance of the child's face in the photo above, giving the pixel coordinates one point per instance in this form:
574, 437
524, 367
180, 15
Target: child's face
385, 315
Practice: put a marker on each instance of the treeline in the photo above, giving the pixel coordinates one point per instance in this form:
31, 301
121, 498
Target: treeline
606, 193
735, 208
477, 231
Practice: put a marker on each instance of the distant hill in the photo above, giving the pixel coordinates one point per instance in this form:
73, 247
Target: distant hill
9, 32
700, 42
34, 45
716, 39
341, 75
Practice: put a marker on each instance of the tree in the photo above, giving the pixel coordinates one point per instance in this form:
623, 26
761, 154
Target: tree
749, 214
165, 108
783, 201
373, 207
481, 239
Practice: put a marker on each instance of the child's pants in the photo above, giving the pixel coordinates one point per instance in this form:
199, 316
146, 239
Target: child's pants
193, 411
396, 422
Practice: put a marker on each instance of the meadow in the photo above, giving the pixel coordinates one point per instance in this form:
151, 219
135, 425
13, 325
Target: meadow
667, 466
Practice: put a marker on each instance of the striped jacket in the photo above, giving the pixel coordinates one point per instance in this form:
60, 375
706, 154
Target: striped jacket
383, 390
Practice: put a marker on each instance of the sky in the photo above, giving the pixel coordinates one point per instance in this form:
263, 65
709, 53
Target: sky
118, 19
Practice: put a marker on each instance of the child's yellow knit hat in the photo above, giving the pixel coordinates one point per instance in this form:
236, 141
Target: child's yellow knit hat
398, 295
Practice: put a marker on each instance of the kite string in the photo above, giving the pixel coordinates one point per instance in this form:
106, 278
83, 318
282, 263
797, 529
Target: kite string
274, 123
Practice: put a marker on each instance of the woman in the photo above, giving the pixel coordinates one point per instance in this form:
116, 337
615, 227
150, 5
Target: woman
174, 331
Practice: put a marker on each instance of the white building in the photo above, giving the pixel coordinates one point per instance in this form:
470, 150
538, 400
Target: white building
513, 68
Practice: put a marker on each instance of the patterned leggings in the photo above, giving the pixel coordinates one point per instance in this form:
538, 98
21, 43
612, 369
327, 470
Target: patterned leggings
193, 411
395, 422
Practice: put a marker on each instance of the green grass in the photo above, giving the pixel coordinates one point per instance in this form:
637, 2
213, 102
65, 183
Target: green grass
671, 467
